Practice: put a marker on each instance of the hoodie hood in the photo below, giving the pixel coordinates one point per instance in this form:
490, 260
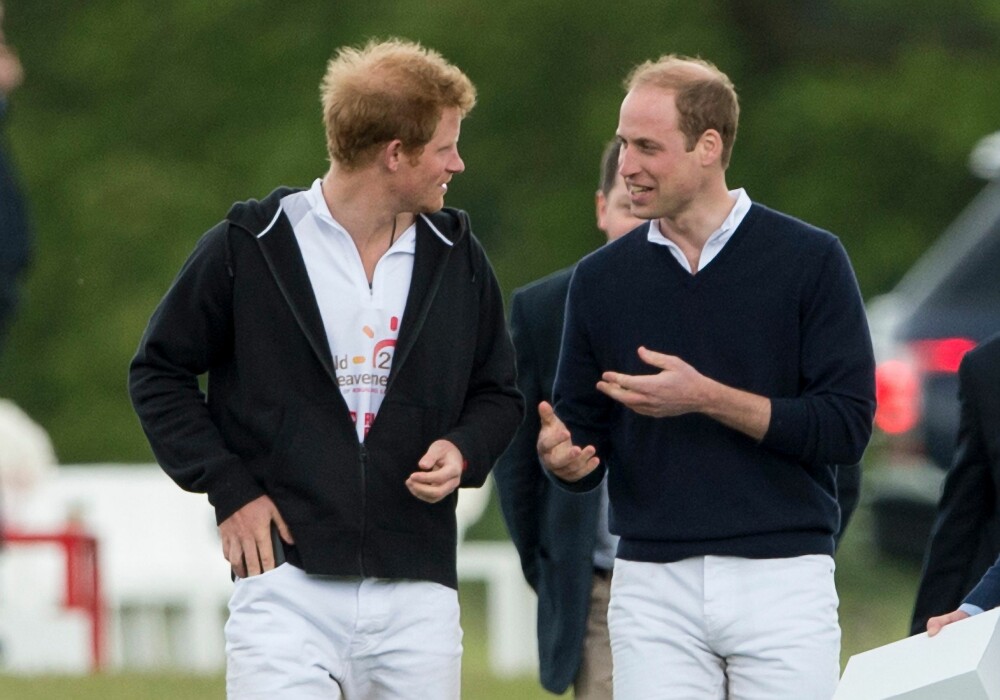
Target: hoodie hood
256, 216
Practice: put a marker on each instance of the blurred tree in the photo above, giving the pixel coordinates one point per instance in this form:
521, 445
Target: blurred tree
141, 123
864, 114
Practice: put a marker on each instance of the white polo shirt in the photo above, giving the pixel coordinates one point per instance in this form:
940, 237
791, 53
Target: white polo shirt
361, 321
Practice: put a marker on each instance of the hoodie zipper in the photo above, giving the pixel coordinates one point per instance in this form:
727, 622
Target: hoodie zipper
363, 460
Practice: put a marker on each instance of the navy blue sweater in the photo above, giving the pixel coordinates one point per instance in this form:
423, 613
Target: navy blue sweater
777, 313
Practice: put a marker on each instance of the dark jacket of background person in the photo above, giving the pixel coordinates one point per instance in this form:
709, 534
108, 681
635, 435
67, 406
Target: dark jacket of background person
554, 531
986, 594
965, 539
15, 234
275, 422
848, 495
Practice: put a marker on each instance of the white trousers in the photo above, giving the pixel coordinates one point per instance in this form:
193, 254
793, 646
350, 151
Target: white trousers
711, 628
291, 635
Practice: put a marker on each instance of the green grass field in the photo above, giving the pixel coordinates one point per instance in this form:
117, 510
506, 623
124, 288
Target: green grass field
876, 597
477, 681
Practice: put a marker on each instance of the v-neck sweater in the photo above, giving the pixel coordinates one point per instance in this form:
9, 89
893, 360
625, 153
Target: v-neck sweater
778, 313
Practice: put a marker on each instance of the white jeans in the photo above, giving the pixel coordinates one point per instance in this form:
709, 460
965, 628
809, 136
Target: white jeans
725, 627
295, 636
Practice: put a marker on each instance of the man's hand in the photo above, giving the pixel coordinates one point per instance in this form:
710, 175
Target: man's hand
677, 389
935, 624
440, 472
557, 451
246, 537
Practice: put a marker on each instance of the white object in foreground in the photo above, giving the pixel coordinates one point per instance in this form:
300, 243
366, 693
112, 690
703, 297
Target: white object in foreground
962, 663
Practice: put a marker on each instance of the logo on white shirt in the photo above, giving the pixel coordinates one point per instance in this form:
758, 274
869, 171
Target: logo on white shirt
365, 371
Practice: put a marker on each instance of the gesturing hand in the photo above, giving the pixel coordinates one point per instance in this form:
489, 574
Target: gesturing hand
676, 389
557, 451
440, 472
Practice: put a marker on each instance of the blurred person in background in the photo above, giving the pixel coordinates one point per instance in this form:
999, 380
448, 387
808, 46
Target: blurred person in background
848, 495
957, 579
717, 365
985, 596
15, 235
359, 371
566, 549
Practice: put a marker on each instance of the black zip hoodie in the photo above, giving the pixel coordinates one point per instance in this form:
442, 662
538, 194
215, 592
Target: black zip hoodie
273, 420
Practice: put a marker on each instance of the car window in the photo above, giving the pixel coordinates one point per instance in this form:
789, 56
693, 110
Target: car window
967, 302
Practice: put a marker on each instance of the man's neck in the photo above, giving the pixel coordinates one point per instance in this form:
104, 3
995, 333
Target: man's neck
366, 209
359, 204
694, 225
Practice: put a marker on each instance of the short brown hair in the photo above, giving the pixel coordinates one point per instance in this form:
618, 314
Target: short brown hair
609, 166
391, 89
704, 95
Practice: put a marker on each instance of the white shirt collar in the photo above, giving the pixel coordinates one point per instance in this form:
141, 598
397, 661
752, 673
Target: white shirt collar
716, 241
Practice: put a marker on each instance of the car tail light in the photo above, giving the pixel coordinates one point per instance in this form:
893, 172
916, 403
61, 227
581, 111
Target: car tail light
897, 396
941, 355
898, 381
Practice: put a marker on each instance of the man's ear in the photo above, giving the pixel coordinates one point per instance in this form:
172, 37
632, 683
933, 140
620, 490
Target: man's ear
601, 206
710, 147
393, 155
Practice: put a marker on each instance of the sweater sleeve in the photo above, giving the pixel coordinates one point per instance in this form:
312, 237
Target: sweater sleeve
578, 403
190, 332
493, 405
830, 420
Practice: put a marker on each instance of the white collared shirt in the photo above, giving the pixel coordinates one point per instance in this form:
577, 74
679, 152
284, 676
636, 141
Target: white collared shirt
361, 320
715, 243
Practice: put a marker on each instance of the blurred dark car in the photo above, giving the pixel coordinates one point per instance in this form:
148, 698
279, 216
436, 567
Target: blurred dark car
943, 307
